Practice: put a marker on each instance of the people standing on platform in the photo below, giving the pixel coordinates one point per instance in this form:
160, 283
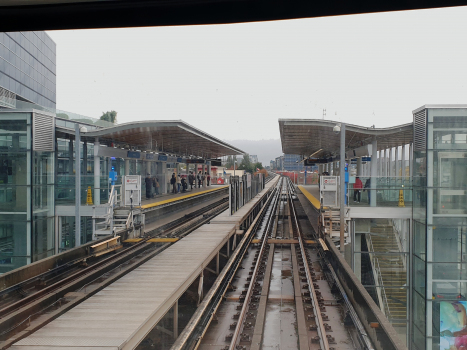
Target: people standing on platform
184, 184
367, 188
173, 182
199, 178
156, 185
357, 188
209, 179
191, 180
179, 183
148, 182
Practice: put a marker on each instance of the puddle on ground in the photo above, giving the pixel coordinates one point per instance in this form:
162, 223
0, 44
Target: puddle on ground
286, 273
285, 259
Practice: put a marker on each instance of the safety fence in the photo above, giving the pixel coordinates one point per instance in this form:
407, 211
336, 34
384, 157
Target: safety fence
243, 188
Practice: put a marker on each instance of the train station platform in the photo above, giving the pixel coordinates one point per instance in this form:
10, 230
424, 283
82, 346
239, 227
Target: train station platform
122, 314
172, 198
311, 192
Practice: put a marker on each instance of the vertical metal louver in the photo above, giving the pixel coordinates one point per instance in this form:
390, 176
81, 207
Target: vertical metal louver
419, 131
43, 132
7, 98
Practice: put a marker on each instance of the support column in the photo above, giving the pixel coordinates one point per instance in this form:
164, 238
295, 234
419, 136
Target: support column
217, 263
127, 167
175, 308
77, 187
396, 157
342, 188
200, 287
391, 164
386, 163
411, 161
85, 158
97, 173
373, 171
359, 167
163, 180
404, 149
380, 163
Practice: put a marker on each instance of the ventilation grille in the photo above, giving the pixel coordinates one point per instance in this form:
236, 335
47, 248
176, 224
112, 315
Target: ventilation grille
43, 132
7, 98
419, 131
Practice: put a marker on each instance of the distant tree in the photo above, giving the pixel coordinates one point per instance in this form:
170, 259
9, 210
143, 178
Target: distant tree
258, 166
246, 164
230, 162
109, 116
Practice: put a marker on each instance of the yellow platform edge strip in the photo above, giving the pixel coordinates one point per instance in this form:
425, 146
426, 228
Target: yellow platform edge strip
315, 202
152, 205
152, 240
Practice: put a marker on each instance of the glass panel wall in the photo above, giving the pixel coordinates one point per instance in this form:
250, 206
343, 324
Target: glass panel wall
15, 190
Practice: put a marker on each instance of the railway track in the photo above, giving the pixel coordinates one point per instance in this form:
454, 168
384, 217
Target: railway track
22, 307
278, 291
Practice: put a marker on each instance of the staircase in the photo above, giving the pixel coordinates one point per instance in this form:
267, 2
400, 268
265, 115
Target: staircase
390, 272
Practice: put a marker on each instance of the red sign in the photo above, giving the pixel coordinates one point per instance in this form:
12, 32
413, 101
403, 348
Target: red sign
220, 181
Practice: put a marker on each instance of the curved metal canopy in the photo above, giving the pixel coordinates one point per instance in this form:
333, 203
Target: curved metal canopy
169, 136
307, 136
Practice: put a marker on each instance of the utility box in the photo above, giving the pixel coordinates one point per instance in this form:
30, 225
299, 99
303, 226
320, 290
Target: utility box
328, 190
132, 190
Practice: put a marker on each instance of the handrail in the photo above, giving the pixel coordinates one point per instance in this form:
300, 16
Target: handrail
129, 220
377, 270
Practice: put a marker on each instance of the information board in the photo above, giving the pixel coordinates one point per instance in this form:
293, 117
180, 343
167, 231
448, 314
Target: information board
132, 190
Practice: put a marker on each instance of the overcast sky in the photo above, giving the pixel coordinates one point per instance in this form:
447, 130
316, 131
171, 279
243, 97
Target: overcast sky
234, 81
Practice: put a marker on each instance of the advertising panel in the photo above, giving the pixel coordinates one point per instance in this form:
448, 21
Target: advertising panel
453, 325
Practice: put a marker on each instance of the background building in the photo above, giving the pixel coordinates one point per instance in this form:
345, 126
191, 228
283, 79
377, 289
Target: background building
253, 158
27, 69
292, 162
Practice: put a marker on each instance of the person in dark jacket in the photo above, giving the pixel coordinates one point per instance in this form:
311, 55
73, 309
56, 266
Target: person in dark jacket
173, 182
148, 182
191, 180
184, 184
367, 188
209, 178
200, 179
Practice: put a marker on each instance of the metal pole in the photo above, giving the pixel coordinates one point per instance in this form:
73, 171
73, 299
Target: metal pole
342, 187
77, 186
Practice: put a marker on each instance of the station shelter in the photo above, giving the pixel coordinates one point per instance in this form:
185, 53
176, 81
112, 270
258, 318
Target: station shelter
405, 222
43, 189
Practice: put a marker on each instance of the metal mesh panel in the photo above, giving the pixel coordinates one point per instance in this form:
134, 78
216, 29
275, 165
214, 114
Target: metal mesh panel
419, 131
329, 199
43, 132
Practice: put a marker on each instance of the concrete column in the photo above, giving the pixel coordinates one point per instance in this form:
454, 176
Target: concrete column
175, 309
85, 158
404, 150
380, 164
359, 167
386, 164
391, 163
396, 157
374, 147
127, 167
97, 173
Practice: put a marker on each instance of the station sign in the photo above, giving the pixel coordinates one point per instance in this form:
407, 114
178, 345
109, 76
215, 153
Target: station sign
172, 159
195, 161
216, 162
366, 159
162, 158
149, 156
131, 154
180, 160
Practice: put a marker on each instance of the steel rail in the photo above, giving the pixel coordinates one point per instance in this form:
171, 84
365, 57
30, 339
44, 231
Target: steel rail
20, 308
204, 314
320, 325
249, 293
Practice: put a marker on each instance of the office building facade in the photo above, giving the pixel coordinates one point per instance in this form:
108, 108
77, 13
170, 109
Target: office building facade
27, 69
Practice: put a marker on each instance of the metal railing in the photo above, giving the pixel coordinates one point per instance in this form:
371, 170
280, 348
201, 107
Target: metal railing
382, 297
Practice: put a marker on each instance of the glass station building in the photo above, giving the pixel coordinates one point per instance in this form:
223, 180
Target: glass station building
406, 235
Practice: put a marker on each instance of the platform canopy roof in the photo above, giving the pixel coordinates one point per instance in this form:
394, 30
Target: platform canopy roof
308, 136
169, 136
